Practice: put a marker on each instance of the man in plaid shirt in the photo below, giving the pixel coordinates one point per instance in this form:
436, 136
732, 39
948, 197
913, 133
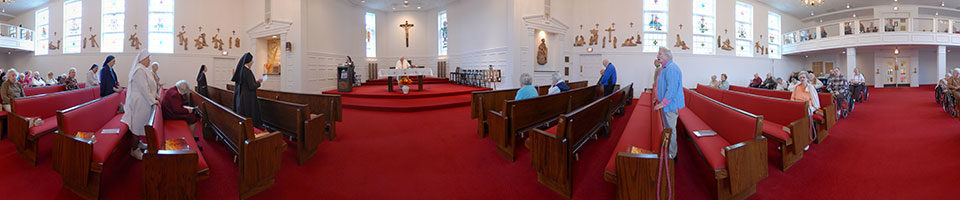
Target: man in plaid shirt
838, 86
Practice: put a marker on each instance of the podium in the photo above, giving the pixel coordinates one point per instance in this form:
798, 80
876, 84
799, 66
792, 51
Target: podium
345, 78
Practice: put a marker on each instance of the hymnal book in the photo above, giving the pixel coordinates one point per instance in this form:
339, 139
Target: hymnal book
88, 136
110, 131
176, 144
704, 133
636, 150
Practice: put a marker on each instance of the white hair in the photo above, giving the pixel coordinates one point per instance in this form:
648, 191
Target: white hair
666, 53
72, 69
556, 77
183, 87
526, 79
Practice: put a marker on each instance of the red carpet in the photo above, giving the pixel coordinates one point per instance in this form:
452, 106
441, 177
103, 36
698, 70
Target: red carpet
433, 96
898, 145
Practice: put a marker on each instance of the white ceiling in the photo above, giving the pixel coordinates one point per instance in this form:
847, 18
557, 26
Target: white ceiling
19, 7
793, 7
397, 5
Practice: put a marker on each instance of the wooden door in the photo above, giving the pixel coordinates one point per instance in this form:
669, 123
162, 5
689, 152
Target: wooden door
827, 68
818, 68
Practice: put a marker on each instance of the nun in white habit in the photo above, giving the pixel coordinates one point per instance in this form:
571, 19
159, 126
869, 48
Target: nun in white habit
141, 96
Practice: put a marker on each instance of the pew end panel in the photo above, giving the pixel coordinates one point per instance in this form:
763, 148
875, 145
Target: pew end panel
551, 158
746, 166
260, 162
72, 159
499, 133
489, 100
170, 174
312, 137
637, 176
290, 119
26, 143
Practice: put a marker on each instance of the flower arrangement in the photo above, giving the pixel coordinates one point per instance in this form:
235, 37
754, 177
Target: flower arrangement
405, 81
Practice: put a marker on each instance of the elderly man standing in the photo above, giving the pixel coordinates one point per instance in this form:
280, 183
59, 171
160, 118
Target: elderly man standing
609, 78
669, 95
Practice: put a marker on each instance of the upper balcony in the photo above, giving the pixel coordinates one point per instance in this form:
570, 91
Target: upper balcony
13, 38
930, 28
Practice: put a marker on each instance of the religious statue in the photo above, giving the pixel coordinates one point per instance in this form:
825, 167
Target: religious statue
406, 29
726, 43
542, 52
578, 40
201, 40
629, 42
51, 46
93, 40
134, 40
594, 36
604, 44
681, 43
183, 38
217, 42
236, 43
614, 42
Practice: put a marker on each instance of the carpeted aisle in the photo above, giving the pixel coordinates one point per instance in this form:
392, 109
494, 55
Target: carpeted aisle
898, 145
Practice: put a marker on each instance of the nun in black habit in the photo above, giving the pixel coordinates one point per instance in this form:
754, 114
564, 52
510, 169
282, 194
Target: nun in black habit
245, 92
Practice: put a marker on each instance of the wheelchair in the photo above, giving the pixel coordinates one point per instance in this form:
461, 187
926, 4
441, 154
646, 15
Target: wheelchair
844, 102
949, 103
860, 92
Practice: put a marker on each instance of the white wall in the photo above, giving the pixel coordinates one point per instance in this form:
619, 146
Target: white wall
181, 65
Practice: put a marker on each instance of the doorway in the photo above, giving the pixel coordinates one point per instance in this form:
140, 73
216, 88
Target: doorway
897, 72
589, 68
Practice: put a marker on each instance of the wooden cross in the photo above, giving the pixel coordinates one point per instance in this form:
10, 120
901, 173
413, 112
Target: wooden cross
610, 31
406, 29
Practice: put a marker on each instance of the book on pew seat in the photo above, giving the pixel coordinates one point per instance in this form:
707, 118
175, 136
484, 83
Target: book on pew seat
110, 131
88, 136
704, 133
176, 144
636, 150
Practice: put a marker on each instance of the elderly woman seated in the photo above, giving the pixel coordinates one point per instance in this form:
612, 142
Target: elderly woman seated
526, 90
70, 81
173, 104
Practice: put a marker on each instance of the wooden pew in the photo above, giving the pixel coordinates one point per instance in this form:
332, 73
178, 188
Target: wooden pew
26, 138
829, 117
171, 174
258, 152
483, 101
519, 116
784, 121
635, 174
80, 161
293, 119
553, 151
737, 155
328, 105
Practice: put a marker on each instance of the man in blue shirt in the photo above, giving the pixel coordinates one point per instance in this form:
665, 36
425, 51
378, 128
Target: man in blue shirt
609, 78
669, 95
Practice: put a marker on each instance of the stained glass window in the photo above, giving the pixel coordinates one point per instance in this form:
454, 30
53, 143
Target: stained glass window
442, 32
744, 34
371, 34
111, 26
774, 38
43, 32
704, 30
655, 24
160, 37
72, 38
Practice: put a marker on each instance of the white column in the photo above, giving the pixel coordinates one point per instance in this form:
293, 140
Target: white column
941, 61
851, 62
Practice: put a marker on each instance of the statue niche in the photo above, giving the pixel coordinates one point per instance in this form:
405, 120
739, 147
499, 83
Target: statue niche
542, 52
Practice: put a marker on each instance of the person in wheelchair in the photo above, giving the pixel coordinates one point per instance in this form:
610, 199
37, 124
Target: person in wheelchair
839, 87
857, 85
941, 84
950, 91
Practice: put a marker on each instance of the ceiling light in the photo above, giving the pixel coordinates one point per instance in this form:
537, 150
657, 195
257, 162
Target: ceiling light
854, 15
896, 51
418, 7
896, 8
406, 2
811, 2
811, 13
942, 4
821, 20
937, 13
363, 1
848, 5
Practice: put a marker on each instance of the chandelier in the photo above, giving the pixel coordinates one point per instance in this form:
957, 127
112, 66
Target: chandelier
811, 2
3, 4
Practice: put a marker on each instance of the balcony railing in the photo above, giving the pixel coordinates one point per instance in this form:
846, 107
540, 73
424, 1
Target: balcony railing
14, 37
874, 31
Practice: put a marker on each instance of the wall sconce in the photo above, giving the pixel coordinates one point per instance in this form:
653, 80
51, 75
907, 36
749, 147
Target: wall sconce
589, 49
896, 51
289, 47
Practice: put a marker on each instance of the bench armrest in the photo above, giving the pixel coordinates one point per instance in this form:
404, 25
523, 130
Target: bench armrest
170, 174
800, 133
313, 133
18, 129
637, 176
72, 158
259, 162
547, 151
746, 163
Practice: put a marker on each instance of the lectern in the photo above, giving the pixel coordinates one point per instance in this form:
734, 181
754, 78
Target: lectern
345, 78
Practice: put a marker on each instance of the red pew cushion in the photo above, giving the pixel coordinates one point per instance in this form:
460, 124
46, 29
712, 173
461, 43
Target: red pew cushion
636, 133
712, 148
174, 129
3, 114
106, 143
49, 123
691, 121
775, 130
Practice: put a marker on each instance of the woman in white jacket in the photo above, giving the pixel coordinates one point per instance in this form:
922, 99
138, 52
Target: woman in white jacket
141, 97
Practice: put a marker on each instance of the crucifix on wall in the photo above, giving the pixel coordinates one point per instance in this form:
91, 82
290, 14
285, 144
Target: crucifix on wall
406, 29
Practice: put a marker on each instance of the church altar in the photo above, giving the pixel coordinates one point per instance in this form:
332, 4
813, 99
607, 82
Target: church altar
394, 74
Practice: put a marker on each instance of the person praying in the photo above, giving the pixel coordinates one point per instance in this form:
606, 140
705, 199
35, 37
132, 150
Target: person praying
140, 99
173, 104
245, 93
609, 78
558, 85
108, 77
92, 78
202, 81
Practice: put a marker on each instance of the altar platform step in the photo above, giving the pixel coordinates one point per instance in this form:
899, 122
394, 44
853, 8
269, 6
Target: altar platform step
426, 80
434, 96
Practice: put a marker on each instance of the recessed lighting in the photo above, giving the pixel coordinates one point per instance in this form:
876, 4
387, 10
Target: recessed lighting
942, 4
894, 0
811, 13
274, 36
821, 20
363, 1
406, 2
854, 15
896, 8
394, 8
418, 7
848, 5
937, 14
